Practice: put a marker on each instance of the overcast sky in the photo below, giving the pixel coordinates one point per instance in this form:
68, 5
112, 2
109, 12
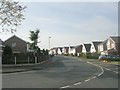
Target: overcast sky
68, 23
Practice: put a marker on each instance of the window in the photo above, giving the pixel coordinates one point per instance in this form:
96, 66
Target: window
13, 44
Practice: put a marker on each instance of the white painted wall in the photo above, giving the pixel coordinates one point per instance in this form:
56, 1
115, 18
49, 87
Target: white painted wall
92, 49
83, 49
59, 51
73, 51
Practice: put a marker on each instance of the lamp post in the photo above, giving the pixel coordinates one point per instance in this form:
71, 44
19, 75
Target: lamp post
49, 48
49, 43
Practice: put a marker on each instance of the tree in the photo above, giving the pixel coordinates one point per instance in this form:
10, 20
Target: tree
34, 38
11, 15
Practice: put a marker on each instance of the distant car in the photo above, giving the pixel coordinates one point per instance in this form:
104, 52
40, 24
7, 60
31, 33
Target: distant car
102, 57
109, 57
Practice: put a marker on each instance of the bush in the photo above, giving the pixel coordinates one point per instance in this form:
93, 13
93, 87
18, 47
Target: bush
92, 56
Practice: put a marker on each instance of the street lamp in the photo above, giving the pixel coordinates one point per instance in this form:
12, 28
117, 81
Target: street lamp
49, 48
49, 43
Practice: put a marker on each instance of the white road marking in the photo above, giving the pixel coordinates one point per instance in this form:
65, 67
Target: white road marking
107, 69
99, 75
87, 80
94, 77
65, 86
115, 72
77, 83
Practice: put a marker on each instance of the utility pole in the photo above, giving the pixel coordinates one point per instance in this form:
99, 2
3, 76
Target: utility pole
49, 47
49, 43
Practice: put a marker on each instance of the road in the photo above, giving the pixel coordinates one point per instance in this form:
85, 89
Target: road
65, 72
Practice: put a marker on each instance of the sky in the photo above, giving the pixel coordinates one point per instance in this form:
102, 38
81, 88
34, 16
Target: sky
68, 23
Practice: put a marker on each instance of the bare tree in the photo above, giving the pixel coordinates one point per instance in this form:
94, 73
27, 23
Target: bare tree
11, 15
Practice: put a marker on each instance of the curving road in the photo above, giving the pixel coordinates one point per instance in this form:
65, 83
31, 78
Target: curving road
65, 72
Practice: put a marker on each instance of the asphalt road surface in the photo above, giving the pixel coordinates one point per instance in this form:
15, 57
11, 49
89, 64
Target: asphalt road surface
65, 72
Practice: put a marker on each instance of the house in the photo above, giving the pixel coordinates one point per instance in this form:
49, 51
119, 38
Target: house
86, 48
102, 47
65, 50
78, 49
94, 46
113, 45
72, 50
75, 50
53, 51
17, 44
60, 50
110, 46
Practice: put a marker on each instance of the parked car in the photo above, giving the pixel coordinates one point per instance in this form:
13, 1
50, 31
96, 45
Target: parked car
109, 57
102, 57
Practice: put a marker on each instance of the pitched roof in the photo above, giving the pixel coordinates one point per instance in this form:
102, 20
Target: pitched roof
116, 39
87, 46
78, 46
14, 36
96, 43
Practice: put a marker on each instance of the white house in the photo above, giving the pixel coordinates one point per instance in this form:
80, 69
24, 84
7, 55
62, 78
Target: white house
65, 50
72, 50
53, 51
86, 48
60, 50
102, 47
94, 46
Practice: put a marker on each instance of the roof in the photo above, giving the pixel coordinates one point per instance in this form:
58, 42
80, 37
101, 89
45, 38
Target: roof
14, 36
72, 46
116, 39
96, 43
87, 46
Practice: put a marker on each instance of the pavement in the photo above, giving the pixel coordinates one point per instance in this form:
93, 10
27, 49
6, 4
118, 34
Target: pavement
23, 67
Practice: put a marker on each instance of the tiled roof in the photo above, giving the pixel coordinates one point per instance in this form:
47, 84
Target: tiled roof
14, 36
87, 46
116, 39
96, 43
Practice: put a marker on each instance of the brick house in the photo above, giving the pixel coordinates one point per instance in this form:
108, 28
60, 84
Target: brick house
17, 44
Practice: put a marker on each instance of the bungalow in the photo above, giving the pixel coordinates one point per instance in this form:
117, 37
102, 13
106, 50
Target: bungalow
94, 46
60, 50
75, 50
78, 49
65, 50
17, 44
72, 50
53, 51
86, 48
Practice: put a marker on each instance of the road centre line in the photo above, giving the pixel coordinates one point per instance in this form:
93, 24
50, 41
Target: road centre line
65, 87
94, 77
77, 83
87, 80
